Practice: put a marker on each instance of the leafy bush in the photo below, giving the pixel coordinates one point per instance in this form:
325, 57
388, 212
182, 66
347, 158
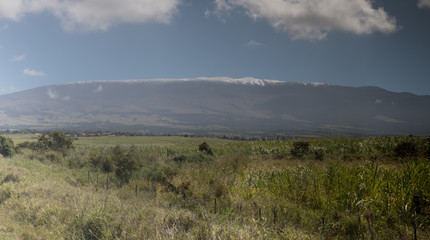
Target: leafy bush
60, 142
300, 148
55, 141
99, 158
96, 159
205, 148
126, 162
7, 148
406, 149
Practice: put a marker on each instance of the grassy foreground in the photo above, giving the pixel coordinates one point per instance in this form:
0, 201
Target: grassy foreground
334, 189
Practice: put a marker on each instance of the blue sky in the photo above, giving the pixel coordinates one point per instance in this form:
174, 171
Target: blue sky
383, 43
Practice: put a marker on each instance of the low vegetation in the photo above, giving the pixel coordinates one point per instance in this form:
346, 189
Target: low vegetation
171, 188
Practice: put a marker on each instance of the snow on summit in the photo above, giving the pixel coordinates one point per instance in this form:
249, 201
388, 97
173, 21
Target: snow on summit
250, 81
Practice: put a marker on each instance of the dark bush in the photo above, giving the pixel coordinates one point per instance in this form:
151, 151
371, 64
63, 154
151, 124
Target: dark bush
300, 148
204, 147
53, 156
352, 228
126, 162
7, 148
35, 146
180, 158
94, 228
108, 165
10, 178
406, 149
219, 189
100, 158
319, 154
197, 157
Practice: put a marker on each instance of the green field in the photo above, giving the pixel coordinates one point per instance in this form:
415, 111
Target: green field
165, 188
145, 140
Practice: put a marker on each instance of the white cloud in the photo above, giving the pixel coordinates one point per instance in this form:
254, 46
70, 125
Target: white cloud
52, 94
30, 72
423, 3
98, 89
10, 9
66, 98
254, 43
207, 13
18, 58
222, 8
313, 19
93, 15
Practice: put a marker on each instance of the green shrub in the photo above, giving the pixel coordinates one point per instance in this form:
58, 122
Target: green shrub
126, 163
98, 158
300, 148
160, 174
60, 142
55, 141
7, 148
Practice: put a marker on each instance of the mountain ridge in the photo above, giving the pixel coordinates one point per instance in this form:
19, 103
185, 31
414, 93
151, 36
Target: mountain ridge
221, 105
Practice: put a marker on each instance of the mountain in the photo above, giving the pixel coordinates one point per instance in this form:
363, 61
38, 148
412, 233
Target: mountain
216, 105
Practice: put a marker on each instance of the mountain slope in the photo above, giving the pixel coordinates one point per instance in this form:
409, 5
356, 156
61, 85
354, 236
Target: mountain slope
217, 105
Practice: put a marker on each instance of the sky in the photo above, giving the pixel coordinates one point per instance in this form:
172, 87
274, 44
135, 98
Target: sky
384, 43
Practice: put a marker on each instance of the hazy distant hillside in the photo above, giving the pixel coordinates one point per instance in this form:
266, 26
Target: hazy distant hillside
216, 105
